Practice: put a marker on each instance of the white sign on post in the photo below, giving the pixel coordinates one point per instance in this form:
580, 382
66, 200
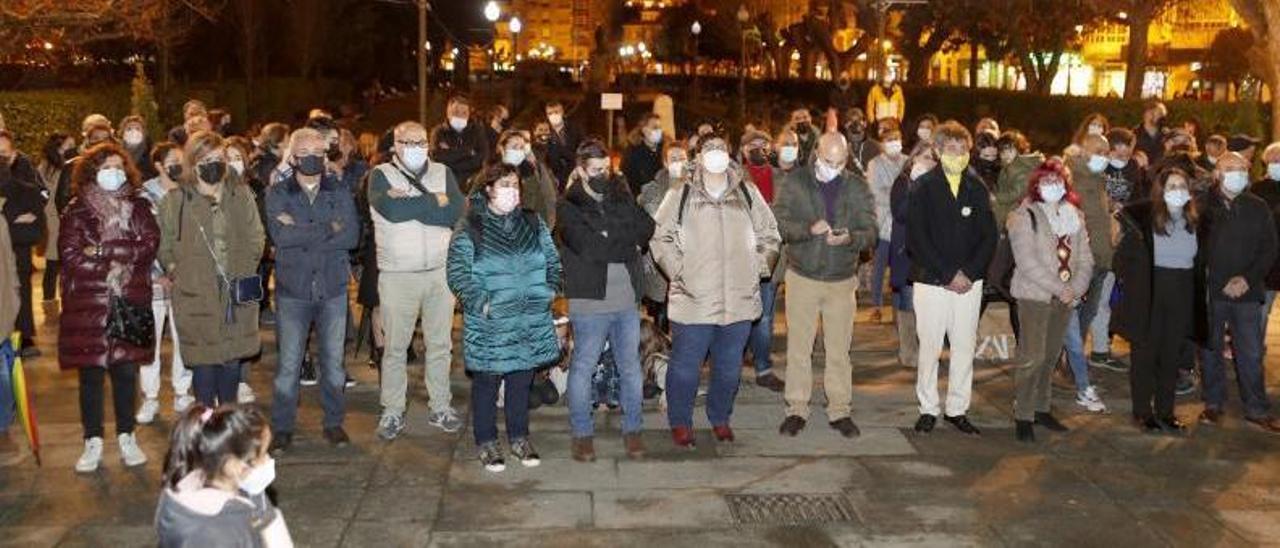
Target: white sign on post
610, 101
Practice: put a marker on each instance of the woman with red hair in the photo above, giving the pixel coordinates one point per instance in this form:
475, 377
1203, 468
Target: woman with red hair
1053, 267
107, 242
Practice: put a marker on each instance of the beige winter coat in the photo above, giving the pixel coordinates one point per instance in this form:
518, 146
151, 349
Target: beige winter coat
1035, 254
9, 300
717, 252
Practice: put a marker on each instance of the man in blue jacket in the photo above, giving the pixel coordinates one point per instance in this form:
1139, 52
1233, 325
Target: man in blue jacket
312, 220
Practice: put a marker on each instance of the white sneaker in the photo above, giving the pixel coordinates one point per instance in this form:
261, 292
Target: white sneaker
147, 413
1088, 399
129, 450
91, 457
182, 403
244, 394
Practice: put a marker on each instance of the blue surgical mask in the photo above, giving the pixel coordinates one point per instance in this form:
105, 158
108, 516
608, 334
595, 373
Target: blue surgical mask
513, 156
414, 158
1235, 181
1273, 171
1097, 163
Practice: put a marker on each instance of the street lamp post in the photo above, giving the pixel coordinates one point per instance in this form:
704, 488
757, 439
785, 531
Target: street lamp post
424, 49
696, 29
744, 17
515, 27
491, 13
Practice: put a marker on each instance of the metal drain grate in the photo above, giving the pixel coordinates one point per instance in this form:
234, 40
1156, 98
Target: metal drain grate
790, 508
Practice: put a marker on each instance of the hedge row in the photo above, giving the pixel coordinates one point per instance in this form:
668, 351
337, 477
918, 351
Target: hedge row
32, 115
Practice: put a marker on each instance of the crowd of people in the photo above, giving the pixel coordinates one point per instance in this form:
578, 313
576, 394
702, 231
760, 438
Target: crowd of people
611, 285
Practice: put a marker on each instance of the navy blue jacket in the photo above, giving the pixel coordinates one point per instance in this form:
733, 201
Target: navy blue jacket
312, 253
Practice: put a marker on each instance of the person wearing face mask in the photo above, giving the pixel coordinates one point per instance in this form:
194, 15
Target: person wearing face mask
96, 129
1054, 264
601, 231
862, 147
415, 203
715, 239
882, 171
827, 218
787, 144
885, 100
505, 270
1126, 180
312, 219
802, 123
1214, 146
215, 479
642, 160
133, 135
1093, 124
211, 233
1016, 162
458, 142
1160, 262
168, 161
925, 126
651, 195
1269, 190
191, 109
107, 244
262, 166
562, 142
1151, 132
923, 159
986, 159
768, 180
537, 183
951, 238
1239, 238
24, 210
58, 148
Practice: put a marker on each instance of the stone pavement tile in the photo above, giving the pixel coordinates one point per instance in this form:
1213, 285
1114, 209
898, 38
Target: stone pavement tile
319, 504
553, 474
414, 460
31, 537
917, 510
1208, 484
362, 534
129, 506
855, 536
726, 473
1082, 526
812, 476
294, 476
315, 530
1200, 444
673, 508
739, 537
1186, 526
496, 509
398, 506
818, 440
110, 535
1256, 526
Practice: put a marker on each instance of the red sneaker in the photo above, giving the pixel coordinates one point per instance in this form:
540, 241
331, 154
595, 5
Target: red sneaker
683, 437
723, 433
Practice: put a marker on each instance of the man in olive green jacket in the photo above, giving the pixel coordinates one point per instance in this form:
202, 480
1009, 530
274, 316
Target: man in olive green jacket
826, 215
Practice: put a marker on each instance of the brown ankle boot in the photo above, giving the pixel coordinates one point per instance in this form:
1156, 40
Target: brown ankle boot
584, 449
635, 446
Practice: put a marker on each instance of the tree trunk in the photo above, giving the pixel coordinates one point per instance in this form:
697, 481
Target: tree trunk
1136, 60
973, 63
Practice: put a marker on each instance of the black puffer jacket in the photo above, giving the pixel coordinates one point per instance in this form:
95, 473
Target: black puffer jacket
23, 192
595, 233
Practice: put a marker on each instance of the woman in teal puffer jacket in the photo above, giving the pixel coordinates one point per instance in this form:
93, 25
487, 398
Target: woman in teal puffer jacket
504, 269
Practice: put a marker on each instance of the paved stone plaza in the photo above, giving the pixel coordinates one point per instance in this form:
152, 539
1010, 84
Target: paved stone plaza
1103, 484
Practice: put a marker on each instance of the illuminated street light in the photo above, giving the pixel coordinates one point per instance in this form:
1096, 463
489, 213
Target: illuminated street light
515, 25
1122, 15
642, 47
696, 28
492, 11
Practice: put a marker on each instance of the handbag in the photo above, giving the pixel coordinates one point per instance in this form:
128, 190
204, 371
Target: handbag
240, 291
130, 323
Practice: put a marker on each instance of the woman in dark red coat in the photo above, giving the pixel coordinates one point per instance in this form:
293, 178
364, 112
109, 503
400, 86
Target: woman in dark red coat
107, 244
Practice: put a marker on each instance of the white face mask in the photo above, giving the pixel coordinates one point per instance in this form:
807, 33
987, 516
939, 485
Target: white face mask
1052, 193
653, 136
259, 478
675, 169
458, 124
111, 179
237, 166
1273, 171
133, 137
715, 161
414, 157
826, 173
918, 169
1095, 129
788, 153
1176, 199
505, 199
924, 133
1118, 163
893, 148
1097, 163
555, 119
513, 156
1235, 181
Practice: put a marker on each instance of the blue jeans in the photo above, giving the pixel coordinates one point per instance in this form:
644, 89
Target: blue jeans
294, 319
1073, 345
484, 404
1242, 319
216, 384
590, 331
1266, 313
7, 404
879, 265
761, 338
902, 298
690, 344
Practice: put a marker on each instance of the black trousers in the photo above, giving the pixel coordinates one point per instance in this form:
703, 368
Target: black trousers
216, 384
484, 404
1154, 373
51, 267
124, 392
26, 322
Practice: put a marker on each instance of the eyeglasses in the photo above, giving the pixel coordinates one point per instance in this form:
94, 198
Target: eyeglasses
420, 143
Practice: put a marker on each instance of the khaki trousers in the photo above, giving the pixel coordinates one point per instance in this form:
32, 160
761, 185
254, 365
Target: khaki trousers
834, 303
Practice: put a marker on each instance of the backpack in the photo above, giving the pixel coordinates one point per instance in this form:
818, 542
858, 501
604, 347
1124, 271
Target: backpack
684, 199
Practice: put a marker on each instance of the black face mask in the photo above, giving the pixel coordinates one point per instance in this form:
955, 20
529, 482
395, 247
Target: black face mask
310, 165
69, 154
802, 128
598, 184
757, 157
212, 172
174, 172
334, 153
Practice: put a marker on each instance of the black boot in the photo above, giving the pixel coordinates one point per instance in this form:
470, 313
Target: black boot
1024, 431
